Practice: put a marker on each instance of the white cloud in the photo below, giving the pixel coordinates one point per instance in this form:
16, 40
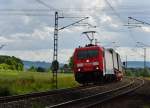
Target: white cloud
24, 33
65, 54
133, 54
42, 34
5, 40
146, 29
105, 19
39, 55
26, 19
92, 20
93, 4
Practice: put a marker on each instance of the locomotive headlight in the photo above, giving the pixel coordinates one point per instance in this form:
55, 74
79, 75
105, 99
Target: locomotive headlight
97, 68
79, 69
80, 65
95, 63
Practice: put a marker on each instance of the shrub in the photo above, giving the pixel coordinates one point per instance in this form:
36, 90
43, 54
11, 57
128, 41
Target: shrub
138, 72
12, 63
5, 91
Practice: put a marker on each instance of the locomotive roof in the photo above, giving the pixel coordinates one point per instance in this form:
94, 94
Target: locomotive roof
95, 47
89, 47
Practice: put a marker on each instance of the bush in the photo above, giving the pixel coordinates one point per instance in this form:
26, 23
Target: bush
32, 69
5, 66
38, 69
138, 72
5, 91
13, 63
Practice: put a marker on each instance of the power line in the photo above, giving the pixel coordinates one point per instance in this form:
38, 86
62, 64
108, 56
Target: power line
24, 14
139, 21
48, 6
26, 10
113, 9
43, 3
132, 36
33, 13
79, 10
73, 23
2, 46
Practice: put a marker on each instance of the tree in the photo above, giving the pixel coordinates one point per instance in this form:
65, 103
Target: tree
71, 62
40, 69
32, 69
12, 62
65, 66
4, 66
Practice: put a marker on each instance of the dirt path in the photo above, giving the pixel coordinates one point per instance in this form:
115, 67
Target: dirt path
139, 99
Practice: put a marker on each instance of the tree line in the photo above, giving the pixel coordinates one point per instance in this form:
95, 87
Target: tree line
12, 63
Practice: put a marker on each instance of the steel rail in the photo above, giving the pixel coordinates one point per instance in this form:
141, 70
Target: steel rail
93, 105
24, 100
82, 100
36, 94
6, 99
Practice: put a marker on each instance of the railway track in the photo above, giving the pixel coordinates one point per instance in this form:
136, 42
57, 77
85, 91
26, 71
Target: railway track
57, 97
54, 97
7, 99
97, 99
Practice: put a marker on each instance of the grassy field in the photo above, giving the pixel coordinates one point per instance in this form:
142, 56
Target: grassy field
14, 83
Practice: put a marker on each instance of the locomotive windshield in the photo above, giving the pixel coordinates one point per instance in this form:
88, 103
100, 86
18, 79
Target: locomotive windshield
87, 54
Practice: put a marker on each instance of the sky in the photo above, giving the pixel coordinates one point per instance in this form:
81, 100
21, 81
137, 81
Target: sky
27, 27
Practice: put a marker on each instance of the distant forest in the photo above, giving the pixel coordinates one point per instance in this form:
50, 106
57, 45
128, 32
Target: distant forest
13, 63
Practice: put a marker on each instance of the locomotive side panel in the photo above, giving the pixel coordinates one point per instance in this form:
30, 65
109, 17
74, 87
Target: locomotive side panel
108, 62
119, 63
115, 60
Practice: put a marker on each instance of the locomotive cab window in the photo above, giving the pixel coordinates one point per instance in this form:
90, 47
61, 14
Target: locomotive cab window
87, 54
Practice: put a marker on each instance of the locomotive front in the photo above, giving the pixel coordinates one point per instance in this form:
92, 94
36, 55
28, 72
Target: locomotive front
88, 64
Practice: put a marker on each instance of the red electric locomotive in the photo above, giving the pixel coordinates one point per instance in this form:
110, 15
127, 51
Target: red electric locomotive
94, 63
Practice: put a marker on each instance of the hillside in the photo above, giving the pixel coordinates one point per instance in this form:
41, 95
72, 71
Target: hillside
137, 64
46, 65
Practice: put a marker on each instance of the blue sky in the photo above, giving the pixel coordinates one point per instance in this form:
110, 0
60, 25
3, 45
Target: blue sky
31, 37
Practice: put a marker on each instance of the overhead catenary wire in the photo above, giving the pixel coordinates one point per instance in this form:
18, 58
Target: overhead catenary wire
73, 23
118, 15
46, 5
79, 10
132, 36
32, 13
2, 46
26, 10
114, 10
140, 22
24, 14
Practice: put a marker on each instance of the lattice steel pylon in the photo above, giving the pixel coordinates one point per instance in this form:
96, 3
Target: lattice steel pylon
55, 64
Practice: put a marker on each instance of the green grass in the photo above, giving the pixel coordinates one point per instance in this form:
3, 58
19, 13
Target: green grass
146, 106
14, 83
138, 72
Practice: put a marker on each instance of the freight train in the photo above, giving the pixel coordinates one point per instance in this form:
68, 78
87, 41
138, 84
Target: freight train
94, 63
